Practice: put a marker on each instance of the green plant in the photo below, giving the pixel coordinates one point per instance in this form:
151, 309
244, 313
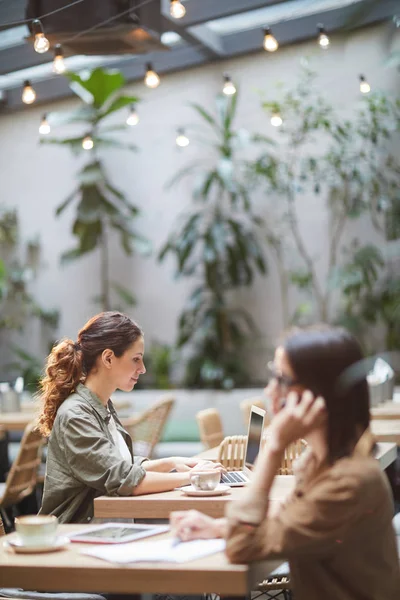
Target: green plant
368, 297
29, 366
101, 208
216, 243
159, 362
17, 304
352, 170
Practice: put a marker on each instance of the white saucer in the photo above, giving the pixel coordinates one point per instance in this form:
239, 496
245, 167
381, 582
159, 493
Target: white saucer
16, 544
221, 489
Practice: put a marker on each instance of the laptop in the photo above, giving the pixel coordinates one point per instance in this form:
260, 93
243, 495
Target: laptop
254, 436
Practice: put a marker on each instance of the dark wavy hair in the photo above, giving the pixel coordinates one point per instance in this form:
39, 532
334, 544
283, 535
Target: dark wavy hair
70, 362
322, 357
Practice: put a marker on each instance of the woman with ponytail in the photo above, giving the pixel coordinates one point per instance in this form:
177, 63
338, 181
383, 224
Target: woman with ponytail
89, 452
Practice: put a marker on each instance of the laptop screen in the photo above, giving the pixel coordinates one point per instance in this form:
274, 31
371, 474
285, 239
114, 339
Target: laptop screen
256, 426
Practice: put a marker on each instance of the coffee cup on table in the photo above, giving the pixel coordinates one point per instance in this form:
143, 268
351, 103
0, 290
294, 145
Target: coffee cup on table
205, 480
37, 530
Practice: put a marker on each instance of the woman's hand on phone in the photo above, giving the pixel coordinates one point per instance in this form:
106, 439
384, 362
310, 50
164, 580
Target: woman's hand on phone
299, 416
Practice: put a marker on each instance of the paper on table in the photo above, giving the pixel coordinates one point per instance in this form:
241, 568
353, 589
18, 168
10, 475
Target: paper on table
161, 551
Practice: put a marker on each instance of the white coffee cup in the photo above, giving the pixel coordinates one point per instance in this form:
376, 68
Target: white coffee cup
205, 480
37, 530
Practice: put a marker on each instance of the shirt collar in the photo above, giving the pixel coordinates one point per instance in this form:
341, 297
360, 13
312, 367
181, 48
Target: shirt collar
93, 400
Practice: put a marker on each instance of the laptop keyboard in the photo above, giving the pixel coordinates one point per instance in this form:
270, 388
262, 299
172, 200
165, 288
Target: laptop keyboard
233, 477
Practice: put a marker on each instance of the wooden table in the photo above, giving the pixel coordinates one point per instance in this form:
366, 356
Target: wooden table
159, 506
386, 410
386, 430
69, 571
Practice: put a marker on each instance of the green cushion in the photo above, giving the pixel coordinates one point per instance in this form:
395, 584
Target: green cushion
181, 431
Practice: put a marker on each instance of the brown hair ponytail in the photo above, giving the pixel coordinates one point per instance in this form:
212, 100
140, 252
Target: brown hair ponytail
63, 373
69, 363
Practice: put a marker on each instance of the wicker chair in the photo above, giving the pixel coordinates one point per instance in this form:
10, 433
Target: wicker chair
146, 429
22, 477
245, 408
210, 427
232, 450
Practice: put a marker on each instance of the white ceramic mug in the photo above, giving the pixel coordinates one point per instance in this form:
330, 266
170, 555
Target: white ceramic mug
205, 480
37, 530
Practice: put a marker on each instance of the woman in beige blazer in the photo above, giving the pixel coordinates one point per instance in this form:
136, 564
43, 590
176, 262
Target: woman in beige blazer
336, 527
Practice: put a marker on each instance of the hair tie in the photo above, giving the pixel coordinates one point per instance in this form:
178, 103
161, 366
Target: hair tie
77, 346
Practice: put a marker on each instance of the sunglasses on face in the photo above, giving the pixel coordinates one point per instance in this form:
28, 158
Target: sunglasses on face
282, 380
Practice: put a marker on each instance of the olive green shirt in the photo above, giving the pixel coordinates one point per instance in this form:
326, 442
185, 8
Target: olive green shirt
83, 461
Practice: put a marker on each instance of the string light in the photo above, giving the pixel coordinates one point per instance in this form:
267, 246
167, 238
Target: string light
58, 62
28, 93
41, 44
151, 79
270, 43
176, 9
44, 128
365, 88
323, 39
181, 139
133, 117
229, 88
276, 119
87, 142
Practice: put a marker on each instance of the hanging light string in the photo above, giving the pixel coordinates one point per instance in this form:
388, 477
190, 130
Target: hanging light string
53, 12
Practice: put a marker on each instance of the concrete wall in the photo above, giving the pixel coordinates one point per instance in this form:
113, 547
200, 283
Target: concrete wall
37, 178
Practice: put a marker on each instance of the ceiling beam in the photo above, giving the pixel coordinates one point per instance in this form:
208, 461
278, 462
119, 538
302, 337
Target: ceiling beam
201, 11
181, 57
206, 40
10, 11
303, 28
21, 56
56, 88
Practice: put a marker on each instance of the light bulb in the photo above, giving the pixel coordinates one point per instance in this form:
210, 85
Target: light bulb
229, 88
87, 143
44, 128
58, 62
276, 120
365, 88
133, 117
28, 93
151, 79
323, 39
176, 9
41, 44
270, 43
181, 139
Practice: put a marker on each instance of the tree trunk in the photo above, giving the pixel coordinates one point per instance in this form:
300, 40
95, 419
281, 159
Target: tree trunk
104, 269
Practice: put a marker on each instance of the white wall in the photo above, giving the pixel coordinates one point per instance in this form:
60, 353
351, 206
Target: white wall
36, 178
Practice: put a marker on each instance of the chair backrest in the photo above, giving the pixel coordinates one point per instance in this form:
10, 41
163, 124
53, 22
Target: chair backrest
292, 452
22, 478
147, 428
232, 449
231, 452
245, 408
210, 427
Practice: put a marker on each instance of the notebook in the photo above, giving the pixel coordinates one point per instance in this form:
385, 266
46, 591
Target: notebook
254, 436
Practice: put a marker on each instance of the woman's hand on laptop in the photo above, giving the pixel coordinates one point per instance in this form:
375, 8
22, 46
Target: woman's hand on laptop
182, 464
192, 525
